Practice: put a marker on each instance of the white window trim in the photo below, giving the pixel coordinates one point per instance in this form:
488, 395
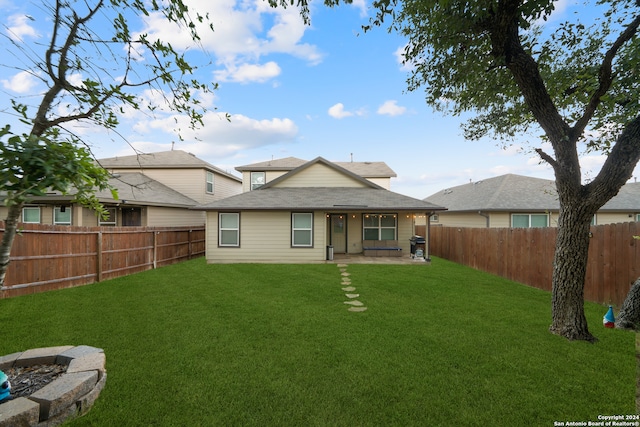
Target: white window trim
102, 222
529, 215
251, 184
210, 182
236, 229
39, 214
59, 208
294, 229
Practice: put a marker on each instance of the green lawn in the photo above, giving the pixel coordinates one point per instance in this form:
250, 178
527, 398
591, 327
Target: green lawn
274, 345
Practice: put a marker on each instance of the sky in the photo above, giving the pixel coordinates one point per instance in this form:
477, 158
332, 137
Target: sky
290, 89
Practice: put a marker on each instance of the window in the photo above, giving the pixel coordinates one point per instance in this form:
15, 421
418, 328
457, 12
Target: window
257, 180
302, 230
435, 218
210, 182
62, 215
229, 233
379, 226
638, 217
110, 220
31, 214
529, 220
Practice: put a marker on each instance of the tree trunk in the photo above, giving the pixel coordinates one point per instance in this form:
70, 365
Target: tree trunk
10, 229
569, 271
629, 316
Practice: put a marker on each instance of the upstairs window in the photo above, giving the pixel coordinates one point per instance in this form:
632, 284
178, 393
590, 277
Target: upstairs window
529, 220
210, 182
257, 180
31, 214
379, 226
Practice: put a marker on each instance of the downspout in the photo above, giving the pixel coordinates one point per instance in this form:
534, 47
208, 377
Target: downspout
484, 215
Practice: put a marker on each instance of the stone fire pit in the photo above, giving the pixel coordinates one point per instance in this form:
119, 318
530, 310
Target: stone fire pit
68, 396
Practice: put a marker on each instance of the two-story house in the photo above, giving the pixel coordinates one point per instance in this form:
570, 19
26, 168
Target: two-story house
294, 211
154, 189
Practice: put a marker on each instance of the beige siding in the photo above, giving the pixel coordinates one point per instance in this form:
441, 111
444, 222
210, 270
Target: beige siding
382, 182
613, 218
173, 217
354, 233
450, 219
319, 175
265, 237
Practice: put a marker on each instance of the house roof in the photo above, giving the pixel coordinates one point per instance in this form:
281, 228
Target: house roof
512, 192
321, 198
133, 188
364, 169
173, 159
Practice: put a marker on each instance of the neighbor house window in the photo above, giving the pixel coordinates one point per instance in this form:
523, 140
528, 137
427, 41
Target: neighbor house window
110, 219
62, 215
31, 214
638, 217
379, 226
302, 230
435, 218
529, 220
229, 229
210, 182
257, 180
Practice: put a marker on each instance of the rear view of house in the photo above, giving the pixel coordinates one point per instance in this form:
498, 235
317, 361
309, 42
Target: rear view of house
292, 213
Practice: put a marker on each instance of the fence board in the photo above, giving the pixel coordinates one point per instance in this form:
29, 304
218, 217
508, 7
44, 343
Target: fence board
48, 257
526, 256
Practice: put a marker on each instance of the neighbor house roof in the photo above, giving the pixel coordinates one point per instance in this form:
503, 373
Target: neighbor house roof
512, 192
133, 188
174, 159
364, 169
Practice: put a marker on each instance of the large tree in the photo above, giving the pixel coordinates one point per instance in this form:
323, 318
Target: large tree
96, 64
578, 81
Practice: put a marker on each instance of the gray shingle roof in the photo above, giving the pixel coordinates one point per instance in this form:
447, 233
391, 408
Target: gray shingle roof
512, 192
364, 169
173, 159
135, 188
322, 198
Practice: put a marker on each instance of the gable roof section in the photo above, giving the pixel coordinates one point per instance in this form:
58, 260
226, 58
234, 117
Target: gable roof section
173, 159
512, 192
364, 169
281, 180
288, 163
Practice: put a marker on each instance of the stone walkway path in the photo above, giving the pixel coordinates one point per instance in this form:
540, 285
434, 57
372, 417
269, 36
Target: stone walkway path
352, 298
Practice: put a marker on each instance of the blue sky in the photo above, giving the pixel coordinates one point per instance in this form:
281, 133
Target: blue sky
325, 90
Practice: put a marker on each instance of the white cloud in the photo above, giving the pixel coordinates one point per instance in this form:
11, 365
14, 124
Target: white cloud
244, 32
19, 27
338, 112
246, 73
391, 108
23, 82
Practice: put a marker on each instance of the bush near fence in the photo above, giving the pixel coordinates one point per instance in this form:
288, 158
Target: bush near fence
526, 255
48, 257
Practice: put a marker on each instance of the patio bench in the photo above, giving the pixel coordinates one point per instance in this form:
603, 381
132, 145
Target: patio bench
380, 248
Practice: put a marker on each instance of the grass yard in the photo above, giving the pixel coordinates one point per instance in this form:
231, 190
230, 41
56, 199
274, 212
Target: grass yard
274, 345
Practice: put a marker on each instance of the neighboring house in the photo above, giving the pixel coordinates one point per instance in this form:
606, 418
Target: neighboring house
258, 174
155, 189
520, 201
297, 214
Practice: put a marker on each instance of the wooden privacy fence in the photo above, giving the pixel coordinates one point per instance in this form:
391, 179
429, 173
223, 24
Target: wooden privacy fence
525, 255
47, 257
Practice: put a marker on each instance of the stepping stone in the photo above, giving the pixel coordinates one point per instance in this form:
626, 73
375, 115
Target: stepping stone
354, 303
346, 280
352, 295
342, 265
349, 289
345, 274
357, 309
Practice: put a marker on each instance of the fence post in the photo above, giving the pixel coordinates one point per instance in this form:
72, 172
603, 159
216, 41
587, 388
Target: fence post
99, 256
155, 249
